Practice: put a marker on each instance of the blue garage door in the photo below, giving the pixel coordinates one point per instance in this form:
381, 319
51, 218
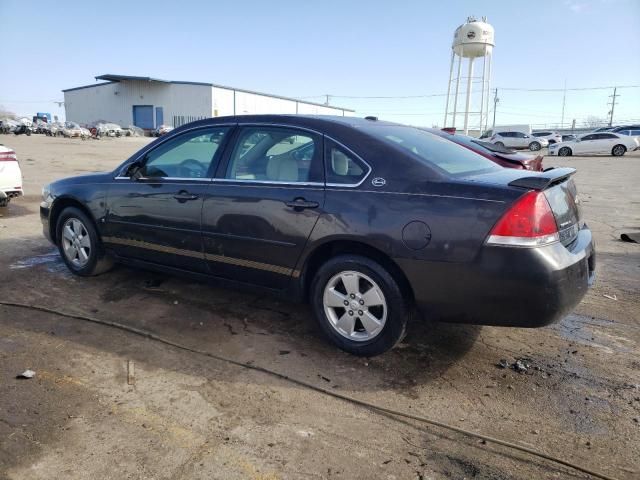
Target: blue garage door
159, 116
143, 116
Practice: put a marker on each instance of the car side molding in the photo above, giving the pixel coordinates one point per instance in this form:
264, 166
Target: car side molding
544, 180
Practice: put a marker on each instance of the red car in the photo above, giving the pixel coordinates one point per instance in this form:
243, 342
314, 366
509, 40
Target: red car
496, 153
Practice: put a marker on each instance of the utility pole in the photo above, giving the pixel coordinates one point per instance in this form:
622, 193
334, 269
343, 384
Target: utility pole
564, 100
495, 107
613, 105
326, 102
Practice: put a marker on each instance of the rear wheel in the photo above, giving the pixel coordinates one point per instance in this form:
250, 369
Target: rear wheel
564, 152
79, 244
500, 144
618, 150
535, 146
359, 305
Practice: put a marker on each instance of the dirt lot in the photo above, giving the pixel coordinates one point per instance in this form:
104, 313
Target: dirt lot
190, 416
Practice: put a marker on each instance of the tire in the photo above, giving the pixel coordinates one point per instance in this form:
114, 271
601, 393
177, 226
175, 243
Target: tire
565, 152
535, 146
618, 150
386, 313
94, 261
4, 203
500, 144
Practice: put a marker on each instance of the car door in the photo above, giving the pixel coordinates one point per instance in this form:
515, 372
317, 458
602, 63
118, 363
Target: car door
154, 206
522, 140
262, 206
505, 139
586, 145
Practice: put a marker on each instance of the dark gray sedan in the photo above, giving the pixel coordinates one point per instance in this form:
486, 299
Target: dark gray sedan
362, 218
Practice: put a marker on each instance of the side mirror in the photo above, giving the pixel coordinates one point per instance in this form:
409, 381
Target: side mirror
135, 171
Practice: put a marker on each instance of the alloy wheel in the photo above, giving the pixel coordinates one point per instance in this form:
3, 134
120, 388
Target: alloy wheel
355, 306
618, 150
563, 152
76, 243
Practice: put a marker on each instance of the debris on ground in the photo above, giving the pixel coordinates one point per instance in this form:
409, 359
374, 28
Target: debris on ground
502, 363
131, 372
285, 352
520, 365
630, 237
26, 374
611, 297
153, 284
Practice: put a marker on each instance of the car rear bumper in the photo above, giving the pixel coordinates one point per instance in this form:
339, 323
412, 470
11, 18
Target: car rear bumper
506, 286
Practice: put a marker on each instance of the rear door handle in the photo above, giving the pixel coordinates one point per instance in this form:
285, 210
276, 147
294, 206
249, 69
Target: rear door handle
183, 196
301, 204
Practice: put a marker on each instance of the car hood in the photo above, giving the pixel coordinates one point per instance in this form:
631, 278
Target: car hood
102, 177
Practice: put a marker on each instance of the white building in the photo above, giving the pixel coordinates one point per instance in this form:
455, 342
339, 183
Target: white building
150, 102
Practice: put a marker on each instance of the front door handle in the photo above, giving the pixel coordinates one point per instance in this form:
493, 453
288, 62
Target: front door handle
183, 196
301, 203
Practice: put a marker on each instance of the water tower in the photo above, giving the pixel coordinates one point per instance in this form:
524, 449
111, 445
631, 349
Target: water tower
472, 40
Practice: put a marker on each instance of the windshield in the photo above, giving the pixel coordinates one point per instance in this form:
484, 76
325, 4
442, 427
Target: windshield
432, 150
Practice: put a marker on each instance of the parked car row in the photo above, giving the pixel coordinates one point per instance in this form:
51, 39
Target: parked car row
600, 143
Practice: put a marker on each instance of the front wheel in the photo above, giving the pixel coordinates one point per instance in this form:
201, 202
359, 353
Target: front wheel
500, 144
564, 152
618, 150
359, 305
535, 146
79, 244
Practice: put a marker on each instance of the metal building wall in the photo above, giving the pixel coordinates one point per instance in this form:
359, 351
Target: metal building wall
227, 101
113, 102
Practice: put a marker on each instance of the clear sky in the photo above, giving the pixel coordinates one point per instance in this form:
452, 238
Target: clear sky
342, 48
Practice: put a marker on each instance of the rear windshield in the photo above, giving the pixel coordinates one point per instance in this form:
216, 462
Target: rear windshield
433, 150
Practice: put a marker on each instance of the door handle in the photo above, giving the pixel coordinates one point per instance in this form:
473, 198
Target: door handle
301, 204
183, 196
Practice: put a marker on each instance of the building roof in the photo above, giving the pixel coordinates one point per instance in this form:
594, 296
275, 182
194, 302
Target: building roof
112, 78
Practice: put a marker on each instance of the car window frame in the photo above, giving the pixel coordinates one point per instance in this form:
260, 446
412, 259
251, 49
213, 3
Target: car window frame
223, 164
215, 162
328, 141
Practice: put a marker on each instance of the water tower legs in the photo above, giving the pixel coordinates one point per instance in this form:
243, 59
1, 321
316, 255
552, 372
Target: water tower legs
455, 100
446, 107
468, 103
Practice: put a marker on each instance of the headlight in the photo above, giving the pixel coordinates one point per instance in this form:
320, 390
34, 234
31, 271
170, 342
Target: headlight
46, 194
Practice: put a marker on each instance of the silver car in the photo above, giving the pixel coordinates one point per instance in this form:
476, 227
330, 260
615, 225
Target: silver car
519, 140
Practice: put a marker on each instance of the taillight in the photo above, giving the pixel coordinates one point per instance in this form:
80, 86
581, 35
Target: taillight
8, 156
528, 223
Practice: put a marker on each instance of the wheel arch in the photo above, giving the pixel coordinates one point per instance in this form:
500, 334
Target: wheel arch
331, 248
57, 208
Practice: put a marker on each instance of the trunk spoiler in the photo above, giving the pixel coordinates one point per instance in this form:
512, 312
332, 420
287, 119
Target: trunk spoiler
544, 180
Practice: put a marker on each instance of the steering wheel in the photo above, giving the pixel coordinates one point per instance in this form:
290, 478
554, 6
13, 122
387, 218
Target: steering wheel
191, 168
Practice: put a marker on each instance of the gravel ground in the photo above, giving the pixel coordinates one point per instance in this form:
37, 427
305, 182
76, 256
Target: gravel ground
190, 416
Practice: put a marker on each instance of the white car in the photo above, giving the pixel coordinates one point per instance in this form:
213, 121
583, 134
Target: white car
518, 140
604, 143
10, 176
551, 137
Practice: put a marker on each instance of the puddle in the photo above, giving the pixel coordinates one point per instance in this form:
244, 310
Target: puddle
52, 261
598, 333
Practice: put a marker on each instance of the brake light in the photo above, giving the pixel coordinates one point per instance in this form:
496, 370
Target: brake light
8, 156
528, 223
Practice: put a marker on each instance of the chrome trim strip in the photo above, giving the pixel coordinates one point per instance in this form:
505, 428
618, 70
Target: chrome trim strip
190, 179
244, 237
204, 256
270, 182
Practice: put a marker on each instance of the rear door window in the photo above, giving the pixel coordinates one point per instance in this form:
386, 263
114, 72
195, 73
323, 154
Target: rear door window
274, 154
